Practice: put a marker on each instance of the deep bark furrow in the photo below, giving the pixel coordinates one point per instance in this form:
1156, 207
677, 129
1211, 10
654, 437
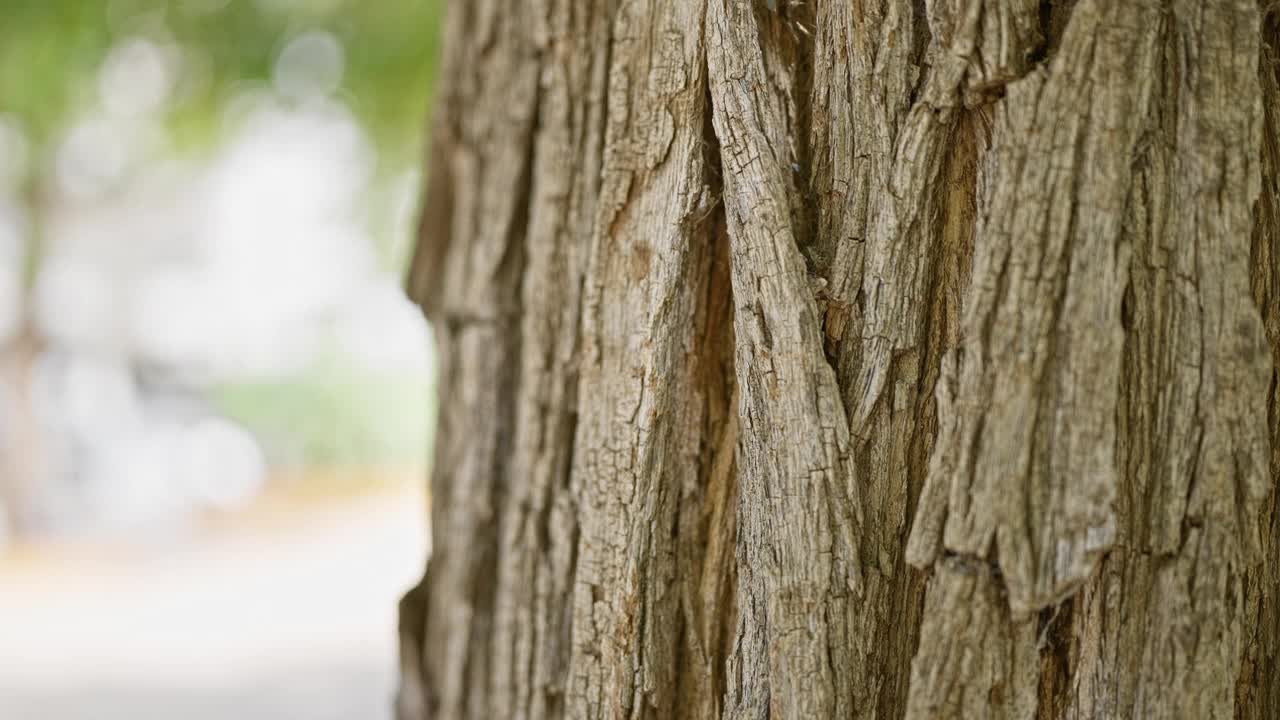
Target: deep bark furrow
899, 222
864, 75
977, 46
708, 509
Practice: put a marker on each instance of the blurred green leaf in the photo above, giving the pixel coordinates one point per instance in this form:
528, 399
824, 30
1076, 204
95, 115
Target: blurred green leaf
335, 414
51, 51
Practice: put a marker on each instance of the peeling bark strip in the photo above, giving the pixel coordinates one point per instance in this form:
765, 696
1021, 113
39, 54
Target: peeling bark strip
1034, 473
743, 305
1034, 469
1197, 377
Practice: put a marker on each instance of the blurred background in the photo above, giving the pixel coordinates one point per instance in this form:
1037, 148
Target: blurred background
214, 396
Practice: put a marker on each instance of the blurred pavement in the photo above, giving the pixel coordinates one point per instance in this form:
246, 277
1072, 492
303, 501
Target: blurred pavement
286, 610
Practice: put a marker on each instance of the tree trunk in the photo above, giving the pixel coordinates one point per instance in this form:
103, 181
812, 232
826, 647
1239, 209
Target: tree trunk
871, 358
23, 453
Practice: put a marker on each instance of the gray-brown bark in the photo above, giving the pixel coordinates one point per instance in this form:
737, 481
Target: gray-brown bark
880, 358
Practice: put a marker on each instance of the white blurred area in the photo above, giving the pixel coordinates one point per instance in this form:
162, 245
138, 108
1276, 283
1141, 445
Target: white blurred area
150, 565
161, 275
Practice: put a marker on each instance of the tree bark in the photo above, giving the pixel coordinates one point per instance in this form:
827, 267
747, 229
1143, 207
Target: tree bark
870, 359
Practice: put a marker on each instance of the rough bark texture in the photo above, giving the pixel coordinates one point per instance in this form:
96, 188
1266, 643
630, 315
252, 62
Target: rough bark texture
873, 358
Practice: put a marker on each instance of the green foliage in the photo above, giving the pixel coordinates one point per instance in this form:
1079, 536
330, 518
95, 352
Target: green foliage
47, 49
51, 54
51, 50
334, 414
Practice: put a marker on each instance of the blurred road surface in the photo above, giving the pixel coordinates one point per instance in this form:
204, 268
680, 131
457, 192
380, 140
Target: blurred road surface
283, 612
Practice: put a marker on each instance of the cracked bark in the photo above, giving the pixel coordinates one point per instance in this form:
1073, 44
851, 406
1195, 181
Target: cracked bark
883, 359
